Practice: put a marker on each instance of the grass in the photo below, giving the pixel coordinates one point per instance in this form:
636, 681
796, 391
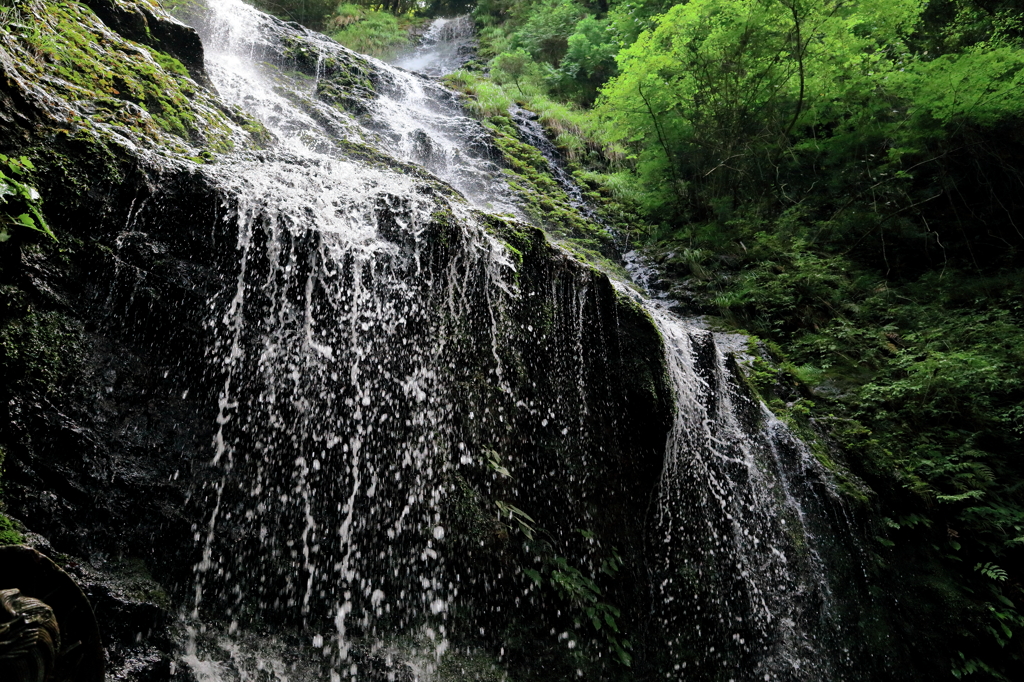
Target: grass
378, 34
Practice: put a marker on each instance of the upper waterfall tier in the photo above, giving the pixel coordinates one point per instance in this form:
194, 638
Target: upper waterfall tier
447, 45
318, 97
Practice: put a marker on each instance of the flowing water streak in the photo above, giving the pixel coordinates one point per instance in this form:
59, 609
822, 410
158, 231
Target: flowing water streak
335, 397
744, 583
334, 392
447, 45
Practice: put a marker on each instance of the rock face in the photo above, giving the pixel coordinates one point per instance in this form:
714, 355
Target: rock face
143, 24
529, 398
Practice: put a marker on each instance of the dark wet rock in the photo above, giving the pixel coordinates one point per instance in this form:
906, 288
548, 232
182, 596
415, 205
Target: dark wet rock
139, 664
157, 29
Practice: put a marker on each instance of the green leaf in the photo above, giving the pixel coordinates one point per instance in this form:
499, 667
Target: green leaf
494, 463
533, 575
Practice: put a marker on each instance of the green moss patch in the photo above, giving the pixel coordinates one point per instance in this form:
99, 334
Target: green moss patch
8, 534
96, 76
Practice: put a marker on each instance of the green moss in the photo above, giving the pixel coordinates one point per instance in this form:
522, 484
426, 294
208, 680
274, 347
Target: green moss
339, 70
768, 381
473, 517
479, 666
67, 50
643, 353
170, 64
542, 197
8, 534
138, 582
39, 348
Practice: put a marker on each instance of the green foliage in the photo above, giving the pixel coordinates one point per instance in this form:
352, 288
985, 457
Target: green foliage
513, 66
630, 18
591, 51
980, 86
545, 34
369, 32
9, 535
709, 97
523, 520
583, 597
991, 571
921, 382
19, 201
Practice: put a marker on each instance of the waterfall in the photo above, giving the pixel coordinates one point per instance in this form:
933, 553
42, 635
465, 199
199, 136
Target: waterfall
745, 531
447, 45
413, 399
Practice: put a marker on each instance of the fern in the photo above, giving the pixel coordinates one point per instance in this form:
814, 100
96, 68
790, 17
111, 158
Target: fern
991, 571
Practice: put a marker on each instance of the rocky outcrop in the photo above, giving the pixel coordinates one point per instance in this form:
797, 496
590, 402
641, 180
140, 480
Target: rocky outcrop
148, 25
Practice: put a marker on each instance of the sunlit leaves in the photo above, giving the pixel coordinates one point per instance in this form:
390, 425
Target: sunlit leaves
19, 201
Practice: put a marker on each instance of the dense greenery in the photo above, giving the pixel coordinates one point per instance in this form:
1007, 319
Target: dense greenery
844, 180
371, 32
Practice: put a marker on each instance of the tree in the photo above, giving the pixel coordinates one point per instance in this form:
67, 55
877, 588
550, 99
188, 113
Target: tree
512, 65
716, 93
545, 35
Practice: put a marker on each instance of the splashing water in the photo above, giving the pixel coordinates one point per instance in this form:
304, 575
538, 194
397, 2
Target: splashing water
447, 45
377, 346
743, 505
333, 347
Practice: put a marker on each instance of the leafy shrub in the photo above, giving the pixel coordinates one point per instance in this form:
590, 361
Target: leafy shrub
374, 33
590, 55
513, 67
545, 35
19, 201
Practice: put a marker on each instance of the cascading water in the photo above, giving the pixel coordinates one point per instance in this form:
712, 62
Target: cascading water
447, 45
745, 533
402, 394
409, 117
